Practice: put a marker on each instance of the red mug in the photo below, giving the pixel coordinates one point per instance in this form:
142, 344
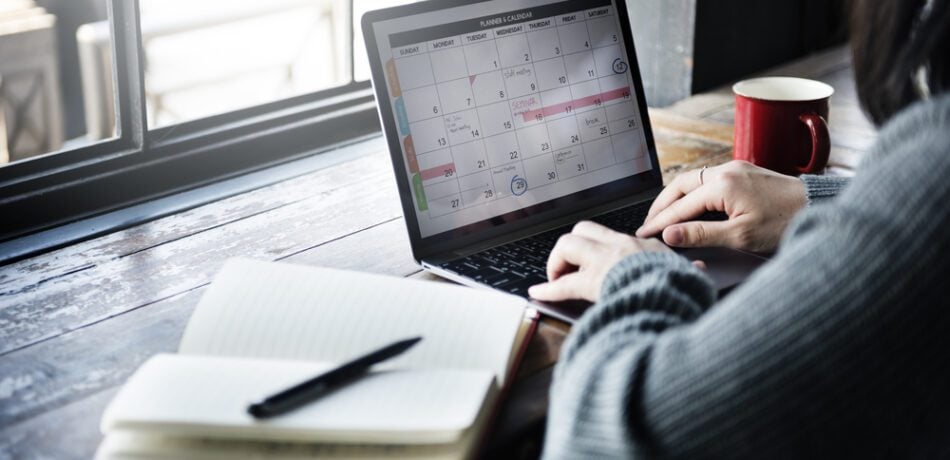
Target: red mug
782, 124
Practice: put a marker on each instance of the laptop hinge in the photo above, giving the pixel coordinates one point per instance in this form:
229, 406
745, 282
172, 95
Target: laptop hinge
543, 227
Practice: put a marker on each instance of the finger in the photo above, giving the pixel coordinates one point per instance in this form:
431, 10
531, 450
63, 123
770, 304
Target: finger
699, 234
681, 186
699, 264
570, 252
571, 286
688, 208
672, 192
597, 232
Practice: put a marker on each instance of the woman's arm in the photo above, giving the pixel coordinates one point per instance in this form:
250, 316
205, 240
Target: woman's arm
600, 374
838, 347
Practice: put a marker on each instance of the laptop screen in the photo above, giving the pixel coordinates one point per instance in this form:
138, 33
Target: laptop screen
502, 105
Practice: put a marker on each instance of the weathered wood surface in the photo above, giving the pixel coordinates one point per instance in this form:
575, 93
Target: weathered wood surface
74, 323
343, 201
52, 374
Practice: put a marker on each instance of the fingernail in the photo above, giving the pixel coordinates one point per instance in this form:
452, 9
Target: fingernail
535, 289
673, 236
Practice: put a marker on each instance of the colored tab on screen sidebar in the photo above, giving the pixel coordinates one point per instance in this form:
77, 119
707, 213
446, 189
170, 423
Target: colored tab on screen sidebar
401, 117
421, 202
393, 77
410, 150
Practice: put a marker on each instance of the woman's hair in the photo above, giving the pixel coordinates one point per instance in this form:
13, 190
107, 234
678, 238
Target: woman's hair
892, 40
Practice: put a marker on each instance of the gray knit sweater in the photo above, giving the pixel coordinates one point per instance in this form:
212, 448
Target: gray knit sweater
838, 347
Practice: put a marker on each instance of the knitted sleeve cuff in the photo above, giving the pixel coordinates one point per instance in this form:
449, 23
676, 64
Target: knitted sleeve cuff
679, 274
822, 188
656, 284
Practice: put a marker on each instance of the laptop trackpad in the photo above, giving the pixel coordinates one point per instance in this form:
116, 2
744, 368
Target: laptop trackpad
727, 267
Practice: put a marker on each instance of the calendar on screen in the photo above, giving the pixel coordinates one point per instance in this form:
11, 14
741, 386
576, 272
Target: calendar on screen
525, 103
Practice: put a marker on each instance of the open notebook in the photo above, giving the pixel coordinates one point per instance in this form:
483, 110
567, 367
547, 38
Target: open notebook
262, 327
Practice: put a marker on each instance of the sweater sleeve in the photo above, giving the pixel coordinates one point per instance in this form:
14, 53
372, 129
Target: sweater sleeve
822, 188
836, 348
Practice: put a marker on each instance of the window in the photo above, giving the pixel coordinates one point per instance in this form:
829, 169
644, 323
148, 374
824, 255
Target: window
108, 103
361, 64
41, 91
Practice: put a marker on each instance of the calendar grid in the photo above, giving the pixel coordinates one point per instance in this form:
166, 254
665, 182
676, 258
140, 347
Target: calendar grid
600, 87
488, 166
484, 73
459, 160
574, 98
453, 171
521, 151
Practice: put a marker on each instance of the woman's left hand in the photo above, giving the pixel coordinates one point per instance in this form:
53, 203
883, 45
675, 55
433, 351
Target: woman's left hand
581, 259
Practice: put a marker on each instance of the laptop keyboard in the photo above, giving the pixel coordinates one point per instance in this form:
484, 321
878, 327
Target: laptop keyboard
516, 266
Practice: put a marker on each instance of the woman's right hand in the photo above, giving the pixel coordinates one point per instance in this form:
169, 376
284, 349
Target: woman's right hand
760, 204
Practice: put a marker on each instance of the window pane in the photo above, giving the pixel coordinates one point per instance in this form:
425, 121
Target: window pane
55, 76
206, 57
361, 64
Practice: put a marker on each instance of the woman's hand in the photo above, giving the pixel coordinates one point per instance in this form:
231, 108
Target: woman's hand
581, 259
760, 203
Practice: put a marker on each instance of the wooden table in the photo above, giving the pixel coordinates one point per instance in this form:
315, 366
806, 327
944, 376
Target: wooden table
76, 322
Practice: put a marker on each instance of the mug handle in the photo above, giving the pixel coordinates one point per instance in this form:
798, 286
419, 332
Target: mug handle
820, 143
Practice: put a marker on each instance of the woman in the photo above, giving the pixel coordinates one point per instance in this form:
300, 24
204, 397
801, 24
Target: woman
839, 347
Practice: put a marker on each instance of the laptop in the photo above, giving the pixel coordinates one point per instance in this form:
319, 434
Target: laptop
508, 121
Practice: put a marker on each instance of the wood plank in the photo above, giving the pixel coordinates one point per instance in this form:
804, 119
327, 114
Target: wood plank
845, 158
678, 154
24, 275
74, 365
68, 433
383, 248
675, 124
145, 277
700, 106
683, 143
839, 171
544, 348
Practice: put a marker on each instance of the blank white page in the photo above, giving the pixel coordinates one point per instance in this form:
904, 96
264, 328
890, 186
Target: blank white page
280, 311
201, 396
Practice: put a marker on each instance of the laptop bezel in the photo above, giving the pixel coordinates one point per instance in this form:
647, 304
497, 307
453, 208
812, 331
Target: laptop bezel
532, 216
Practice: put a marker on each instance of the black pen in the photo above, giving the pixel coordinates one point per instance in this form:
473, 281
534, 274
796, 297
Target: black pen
309, 390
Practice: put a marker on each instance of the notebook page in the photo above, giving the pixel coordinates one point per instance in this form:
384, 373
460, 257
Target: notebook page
270, 310
129, 445
200, 396
142, 446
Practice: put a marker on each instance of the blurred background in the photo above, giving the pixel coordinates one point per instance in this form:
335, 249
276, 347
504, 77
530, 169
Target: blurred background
202, 58
209, 57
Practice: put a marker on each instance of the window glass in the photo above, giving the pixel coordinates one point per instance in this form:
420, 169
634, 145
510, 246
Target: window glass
55, 77
206, 57
361, 70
